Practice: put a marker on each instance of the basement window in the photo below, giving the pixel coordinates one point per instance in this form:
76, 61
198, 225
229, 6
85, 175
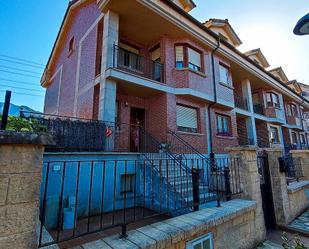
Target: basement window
127, 183
204, 242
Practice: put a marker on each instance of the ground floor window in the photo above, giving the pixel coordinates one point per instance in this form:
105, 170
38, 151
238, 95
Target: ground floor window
127, 183
204, 242
274, 135
223, 125
187, 119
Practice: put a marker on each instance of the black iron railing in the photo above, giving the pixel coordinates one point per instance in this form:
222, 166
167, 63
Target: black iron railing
241, 102
182, 148
136, 64
258, 109
292, 168
84, 197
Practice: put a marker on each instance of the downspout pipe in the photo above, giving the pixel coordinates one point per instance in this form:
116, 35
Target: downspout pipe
215, 96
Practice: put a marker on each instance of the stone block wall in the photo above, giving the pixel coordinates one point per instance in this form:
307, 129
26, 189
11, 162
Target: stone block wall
20, 178
232, 226
298, 198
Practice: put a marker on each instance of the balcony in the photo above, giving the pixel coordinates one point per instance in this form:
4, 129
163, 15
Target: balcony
138, 65
241, 102
258, 109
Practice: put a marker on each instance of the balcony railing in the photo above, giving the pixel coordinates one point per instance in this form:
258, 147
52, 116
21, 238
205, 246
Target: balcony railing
241, 102
258, 109
136, 64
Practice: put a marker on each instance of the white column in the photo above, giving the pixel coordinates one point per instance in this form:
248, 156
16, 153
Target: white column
108, 88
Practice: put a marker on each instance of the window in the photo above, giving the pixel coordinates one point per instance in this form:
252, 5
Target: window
180, 61
127, 183
204, 242
192, 61
301, 112
272, 100
274, 135
294, 138
294, 112
156, 57
224, 74
187, 119
302, 139
71, 45
129, 56
223, 125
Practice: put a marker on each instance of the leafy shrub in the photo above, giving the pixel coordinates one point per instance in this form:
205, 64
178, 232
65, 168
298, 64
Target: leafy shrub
22, 124
294, 243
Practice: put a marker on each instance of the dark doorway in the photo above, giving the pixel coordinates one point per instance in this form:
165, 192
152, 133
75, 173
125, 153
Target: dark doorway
137, 120
96, 100
266, 190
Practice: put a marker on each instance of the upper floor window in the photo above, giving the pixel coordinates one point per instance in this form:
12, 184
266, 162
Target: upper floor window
302, 139
301, 110
223, 125
272, 100
188, 57
194, 58
224, 74
294, 138
187, 119
274, 135
71, 45
292, 110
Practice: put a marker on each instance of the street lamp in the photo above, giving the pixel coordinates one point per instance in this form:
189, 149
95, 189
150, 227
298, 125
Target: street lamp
302, 26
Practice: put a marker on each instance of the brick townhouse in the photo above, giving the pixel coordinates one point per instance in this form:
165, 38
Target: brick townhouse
149, 62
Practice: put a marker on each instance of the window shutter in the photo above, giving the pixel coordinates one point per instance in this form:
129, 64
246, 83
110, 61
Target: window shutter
194, 57
179, 53
186, 117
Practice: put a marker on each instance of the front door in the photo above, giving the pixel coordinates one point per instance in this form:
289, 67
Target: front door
137, 120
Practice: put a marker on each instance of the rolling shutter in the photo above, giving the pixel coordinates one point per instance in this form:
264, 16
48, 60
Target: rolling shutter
194, 57
186, 117
179, 53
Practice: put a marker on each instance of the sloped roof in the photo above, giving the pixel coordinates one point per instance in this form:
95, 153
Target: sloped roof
258, 53
278, 72
224, 24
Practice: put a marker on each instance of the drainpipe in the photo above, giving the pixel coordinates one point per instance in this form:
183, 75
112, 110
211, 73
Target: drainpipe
215, 97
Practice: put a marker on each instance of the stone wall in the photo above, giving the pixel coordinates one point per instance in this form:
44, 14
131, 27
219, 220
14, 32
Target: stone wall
20, 178
232, 226
298, 198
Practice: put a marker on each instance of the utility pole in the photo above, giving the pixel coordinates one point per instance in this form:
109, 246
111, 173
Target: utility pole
5, 112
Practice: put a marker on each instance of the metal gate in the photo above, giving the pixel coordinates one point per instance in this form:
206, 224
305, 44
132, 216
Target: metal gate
266, 190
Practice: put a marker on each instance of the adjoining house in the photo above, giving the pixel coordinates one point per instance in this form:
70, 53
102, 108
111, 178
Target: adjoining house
173, 94
188, 78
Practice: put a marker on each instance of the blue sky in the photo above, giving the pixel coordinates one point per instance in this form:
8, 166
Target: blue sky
28, 31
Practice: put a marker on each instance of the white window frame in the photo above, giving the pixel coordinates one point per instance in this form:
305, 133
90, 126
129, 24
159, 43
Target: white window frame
194, 127
227, 74
278, 134
200, 240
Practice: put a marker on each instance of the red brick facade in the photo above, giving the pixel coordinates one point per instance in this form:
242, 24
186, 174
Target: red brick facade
71, 91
